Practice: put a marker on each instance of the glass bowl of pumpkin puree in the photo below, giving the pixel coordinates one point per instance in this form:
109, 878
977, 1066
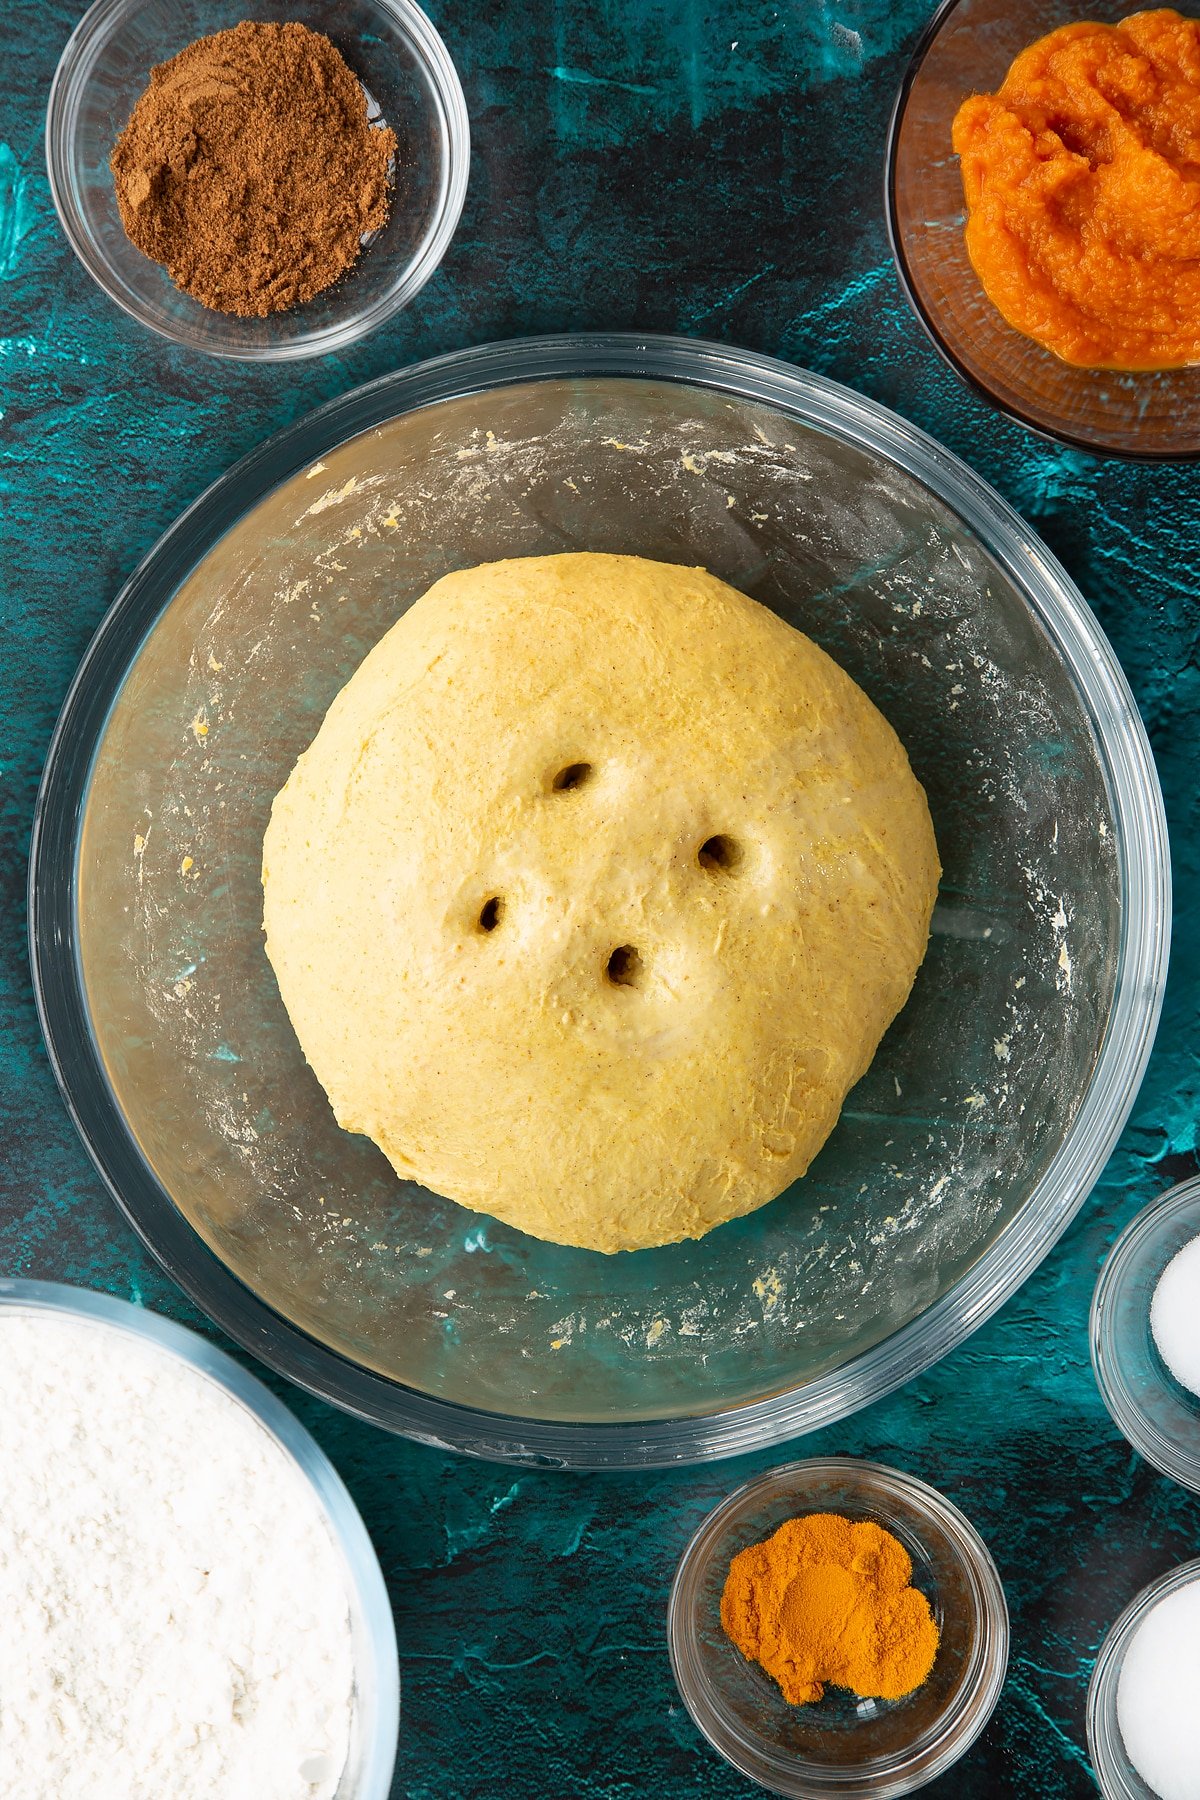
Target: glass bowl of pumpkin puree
1074, 306
842, 1743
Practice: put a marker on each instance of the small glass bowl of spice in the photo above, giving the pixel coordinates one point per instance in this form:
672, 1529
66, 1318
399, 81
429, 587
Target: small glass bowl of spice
837, 1627
263, 187
1143, 1723
1145, 1333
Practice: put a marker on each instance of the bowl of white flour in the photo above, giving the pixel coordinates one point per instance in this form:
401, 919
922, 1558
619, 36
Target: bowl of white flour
191, 1603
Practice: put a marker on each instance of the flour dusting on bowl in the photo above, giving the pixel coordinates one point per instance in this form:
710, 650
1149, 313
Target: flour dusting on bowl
850, 552
995, 1096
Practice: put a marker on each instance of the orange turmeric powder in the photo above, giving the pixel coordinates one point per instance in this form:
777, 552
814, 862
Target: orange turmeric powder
826, 1599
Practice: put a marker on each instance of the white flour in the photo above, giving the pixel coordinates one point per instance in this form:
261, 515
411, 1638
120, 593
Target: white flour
173, 1617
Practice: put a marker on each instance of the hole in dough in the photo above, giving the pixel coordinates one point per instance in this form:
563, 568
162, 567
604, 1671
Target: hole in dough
573, 776
625, 967
720, 853
490, 913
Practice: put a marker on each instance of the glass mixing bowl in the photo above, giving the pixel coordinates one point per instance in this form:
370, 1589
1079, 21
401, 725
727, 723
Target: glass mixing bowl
994, 1100
967, 48
410, 83
376, 1717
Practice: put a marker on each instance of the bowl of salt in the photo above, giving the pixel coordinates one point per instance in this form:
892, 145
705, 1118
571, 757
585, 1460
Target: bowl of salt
1145, 1333
1143, 1725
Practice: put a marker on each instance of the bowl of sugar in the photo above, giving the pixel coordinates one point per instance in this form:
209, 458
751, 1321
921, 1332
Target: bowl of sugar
1143, 1725
1145, 1333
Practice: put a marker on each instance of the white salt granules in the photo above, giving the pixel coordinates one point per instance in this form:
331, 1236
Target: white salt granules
174, 1623
1175, 1316
1156, 1696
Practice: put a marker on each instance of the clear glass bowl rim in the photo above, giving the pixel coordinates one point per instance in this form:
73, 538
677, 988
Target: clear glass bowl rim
62, 105
1141, 845
1107, 1752
381, 1726
1169, 1458
929, 35
781, 1772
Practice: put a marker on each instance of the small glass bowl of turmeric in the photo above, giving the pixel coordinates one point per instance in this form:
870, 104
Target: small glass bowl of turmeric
1072, 303
834, 1571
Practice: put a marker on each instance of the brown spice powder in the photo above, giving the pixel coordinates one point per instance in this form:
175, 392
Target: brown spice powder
249, 170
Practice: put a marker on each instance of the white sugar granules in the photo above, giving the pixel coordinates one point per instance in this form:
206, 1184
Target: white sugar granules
174, 1622
1175, 1315
1156, 1696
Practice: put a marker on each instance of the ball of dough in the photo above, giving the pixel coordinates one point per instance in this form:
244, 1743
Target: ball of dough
595, 894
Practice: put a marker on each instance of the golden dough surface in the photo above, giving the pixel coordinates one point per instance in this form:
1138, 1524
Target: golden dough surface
594, 895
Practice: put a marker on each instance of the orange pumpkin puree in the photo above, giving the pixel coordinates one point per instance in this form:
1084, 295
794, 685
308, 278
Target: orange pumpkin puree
1082, 181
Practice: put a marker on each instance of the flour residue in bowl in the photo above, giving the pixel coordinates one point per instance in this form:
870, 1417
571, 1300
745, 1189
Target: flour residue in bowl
958, 1121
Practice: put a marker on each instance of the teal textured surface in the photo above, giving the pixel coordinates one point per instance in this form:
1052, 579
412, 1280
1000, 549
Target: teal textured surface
656, 167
